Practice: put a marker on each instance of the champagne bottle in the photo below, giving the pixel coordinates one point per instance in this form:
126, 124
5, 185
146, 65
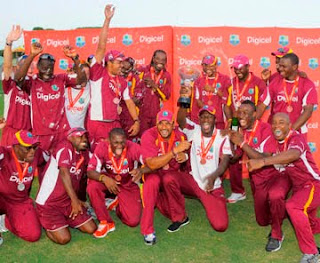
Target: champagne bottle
234, 124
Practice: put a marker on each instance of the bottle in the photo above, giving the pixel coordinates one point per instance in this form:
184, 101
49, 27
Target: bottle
234, 124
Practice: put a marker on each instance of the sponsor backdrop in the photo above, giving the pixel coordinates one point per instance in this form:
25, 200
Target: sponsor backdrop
186, 47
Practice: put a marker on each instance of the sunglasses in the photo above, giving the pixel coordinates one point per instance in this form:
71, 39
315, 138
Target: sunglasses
47, 56
29, 148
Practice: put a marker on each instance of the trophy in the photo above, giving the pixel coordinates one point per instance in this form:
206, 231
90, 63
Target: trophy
187, 75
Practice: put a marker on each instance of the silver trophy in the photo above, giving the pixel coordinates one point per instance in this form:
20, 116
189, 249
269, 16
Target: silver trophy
187, 76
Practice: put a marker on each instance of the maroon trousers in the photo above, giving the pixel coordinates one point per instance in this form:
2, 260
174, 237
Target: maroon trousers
129, 208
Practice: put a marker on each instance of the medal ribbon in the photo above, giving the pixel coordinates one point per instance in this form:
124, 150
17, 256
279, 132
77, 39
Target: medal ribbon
213, 86
295, 86
71, 101
253, 132
152, 72
205, 150
117, 167
285, 144
245, 86
170, 143
79, 162
21, 173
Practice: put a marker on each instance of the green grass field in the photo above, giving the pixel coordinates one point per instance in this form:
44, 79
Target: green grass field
244, 241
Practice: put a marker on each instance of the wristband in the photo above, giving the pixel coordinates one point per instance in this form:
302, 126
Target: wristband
100, 177
242, 144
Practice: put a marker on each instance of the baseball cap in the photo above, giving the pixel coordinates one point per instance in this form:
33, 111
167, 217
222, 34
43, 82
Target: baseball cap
282, 51
239, 61
209, 109
77, 131
114, 55
209, 59
165, 115
24, 138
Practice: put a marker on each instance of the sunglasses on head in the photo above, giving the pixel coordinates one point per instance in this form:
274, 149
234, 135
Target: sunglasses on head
47, 56
34, 147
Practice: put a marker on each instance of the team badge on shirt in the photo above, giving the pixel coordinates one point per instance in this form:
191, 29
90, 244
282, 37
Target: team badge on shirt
161, 81
29, 169
255, 140
251, 91
81, 100
211, 149
218, 85
129, 83
54, 87
125, 162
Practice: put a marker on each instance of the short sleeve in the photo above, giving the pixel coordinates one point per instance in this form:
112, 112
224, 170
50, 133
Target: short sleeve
64, 158
97, 159
96, 70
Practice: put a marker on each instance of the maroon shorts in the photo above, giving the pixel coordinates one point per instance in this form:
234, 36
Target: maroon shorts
54, 218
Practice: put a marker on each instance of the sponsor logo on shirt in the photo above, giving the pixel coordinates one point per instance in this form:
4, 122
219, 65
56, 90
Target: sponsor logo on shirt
251, 91
74, 171
58, 42
22, 101
259, 40
110, 40
80, 41
15, 178
234, 40
282, 98
312, 146
75, 108
307, 41
48, 97
313, 63
127, 40
123, 171
210, 40
63, 64
185, 40
151, 39
283, 40
265, 62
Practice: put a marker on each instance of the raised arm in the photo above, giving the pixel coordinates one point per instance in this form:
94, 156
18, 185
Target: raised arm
13, 35
101, 49
71, 53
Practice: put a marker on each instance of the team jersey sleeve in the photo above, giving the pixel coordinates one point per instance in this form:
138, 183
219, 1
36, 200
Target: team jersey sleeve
149, 146
260, 88
8, 85
97, 160
96, 69
297, 143
70, 80
190, 129
64, 158
268, 93
311, 96
268, 144
226, 146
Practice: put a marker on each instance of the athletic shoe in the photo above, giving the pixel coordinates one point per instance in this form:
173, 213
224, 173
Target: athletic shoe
150, 239
273, 244
103, 229
111, 203
175, 226
2, 224
235, 197
90, 212
310, 258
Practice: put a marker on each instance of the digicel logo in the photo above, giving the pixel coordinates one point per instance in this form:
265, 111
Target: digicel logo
57, 42
110, 40
151, 39
189, 62
210, 40
307, 41
259, 40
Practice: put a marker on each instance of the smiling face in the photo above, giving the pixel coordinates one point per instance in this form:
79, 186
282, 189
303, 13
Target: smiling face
117, 143
210, 70
25, 153
242, 73
126, 68
80, 143
114, 67
207, 122
45, 68
247, 116
287, 69
165, 128
280, 126
159, 61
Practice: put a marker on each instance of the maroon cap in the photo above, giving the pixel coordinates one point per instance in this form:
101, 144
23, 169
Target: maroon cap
165, 115
282, 51
77, 131
209, 59
114, 55
24, 138
209, 109
239, 61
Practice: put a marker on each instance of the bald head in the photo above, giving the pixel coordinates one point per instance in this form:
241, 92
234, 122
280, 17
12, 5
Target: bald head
281, 125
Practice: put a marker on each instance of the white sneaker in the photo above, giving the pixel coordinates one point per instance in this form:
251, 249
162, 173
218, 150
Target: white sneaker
111, 203
310, 258
2, 224
235, 197
150, 239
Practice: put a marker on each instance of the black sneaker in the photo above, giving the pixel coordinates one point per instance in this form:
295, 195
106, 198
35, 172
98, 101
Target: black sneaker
273, 244
175, 226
